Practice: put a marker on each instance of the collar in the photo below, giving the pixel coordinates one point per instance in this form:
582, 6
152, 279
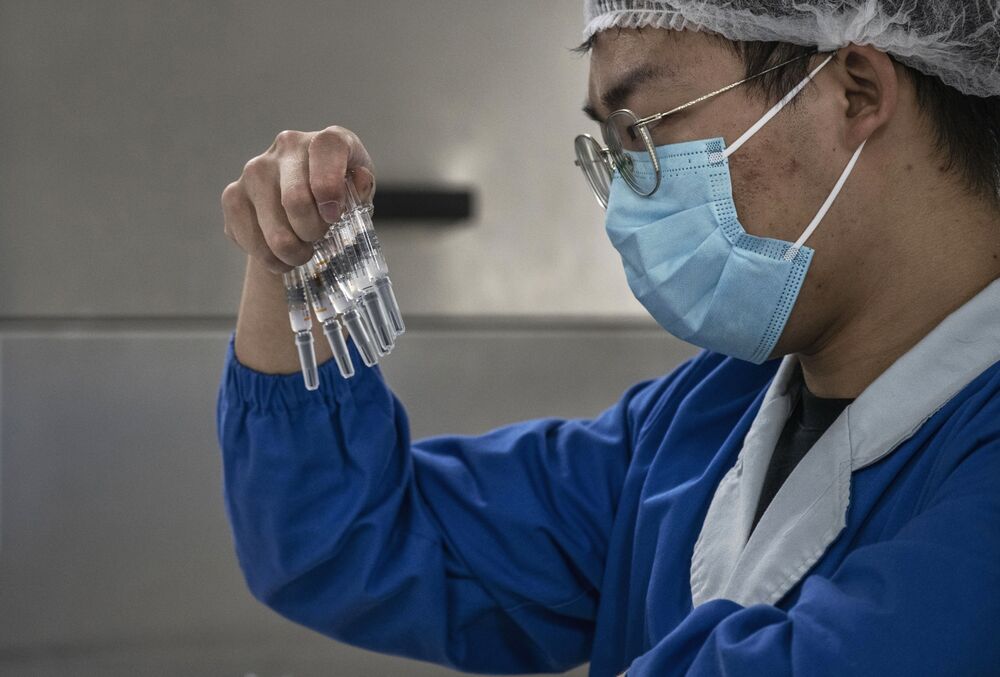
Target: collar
810, 509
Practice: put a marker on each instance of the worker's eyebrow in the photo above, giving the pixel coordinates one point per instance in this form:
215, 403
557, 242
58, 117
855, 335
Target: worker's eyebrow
616, 96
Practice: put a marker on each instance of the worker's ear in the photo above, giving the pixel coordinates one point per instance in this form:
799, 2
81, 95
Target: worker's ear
870, 85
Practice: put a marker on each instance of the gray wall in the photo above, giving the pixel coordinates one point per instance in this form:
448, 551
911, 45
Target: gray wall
116, 557
120, 124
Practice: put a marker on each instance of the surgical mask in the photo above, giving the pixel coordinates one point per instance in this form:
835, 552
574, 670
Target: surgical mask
691, 263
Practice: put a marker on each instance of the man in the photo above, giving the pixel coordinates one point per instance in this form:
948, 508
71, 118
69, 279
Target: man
816, 492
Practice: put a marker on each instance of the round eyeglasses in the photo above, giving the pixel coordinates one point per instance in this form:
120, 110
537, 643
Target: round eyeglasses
621, 133
628, 144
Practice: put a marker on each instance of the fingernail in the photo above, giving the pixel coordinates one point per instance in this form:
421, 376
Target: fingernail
330, 211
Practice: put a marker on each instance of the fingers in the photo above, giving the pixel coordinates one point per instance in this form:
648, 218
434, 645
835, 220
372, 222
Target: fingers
264, 189
364, 182
332, 153
286, 197
297, 198
242, 228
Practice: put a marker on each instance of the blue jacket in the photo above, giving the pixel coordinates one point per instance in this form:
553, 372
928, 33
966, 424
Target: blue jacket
623, 540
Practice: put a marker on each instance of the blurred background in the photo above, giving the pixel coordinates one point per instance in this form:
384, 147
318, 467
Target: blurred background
120, 125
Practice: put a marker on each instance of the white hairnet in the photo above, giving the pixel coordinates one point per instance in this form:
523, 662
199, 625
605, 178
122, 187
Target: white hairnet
956, 40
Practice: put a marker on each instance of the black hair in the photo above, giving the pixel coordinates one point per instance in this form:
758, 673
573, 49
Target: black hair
966, 128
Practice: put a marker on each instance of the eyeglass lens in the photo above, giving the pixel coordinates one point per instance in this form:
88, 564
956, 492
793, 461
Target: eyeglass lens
620, 135
590, 159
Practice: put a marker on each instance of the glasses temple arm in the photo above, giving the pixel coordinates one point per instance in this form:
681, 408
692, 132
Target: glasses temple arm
660, 116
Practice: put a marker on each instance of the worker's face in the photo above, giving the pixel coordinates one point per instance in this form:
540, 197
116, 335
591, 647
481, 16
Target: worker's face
780, 177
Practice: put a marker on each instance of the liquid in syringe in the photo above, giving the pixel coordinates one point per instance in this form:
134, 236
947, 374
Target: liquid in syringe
327, 315
301, 321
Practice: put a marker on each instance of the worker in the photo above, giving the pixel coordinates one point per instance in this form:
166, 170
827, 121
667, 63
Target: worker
809, 190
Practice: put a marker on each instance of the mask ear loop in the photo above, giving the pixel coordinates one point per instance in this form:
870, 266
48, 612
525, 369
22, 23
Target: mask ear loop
793, 251
769, 115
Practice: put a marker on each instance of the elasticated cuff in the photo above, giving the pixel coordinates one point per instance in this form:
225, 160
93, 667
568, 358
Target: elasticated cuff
258, 390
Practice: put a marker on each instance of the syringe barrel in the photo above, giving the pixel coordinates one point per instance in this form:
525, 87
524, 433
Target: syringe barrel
298, 303
328, 273
335, 337
362, 341
369, 248
307, 359
334, 284
316, 291
383, 286
351, 269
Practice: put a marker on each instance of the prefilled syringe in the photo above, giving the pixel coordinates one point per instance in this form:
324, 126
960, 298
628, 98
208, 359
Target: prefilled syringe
301, 321
327, 315
362, 287
359, 216
339, 293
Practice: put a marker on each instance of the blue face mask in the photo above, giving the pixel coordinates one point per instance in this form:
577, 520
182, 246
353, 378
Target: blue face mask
690, 262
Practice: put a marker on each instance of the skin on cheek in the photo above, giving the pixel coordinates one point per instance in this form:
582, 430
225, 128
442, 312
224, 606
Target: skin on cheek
775, 186
756, 193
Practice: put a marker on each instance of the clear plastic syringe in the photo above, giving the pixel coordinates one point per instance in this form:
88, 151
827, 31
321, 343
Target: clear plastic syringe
361, 288
359, 215
338, 292
327, 315
298, 315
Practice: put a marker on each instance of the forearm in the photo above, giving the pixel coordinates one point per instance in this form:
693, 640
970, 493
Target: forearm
263, 336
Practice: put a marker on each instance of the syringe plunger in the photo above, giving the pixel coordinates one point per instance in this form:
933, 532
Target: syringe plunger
383, 286
335, 337
379, 321
356, 328
307, 359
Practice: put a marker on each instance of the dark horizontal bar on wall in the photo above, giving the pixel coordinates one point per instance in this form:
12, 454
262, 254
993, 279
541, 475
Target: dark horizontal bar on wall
395, 202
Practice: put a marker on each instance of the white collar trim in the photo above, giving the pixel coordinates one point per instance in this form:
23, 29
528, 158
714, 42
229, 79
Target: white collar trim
810, 509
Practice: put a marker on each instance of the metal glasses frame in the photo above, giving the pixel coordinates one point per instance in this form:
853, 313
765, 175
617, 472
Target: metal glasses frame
606, 156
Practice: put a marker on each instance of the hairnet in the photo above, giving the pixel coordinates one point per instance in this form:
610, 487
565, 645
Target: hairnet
955, 40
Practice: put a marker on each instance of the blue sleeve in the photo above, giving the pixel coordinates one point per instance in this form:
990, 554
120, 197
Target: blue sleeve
925, 602
482, 553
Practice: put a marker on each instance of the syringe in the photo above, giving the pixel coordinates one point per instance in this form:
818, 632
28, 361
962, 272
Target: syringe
362, 288
359, 215
298, 315
347, 285
327, 314
338, 292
